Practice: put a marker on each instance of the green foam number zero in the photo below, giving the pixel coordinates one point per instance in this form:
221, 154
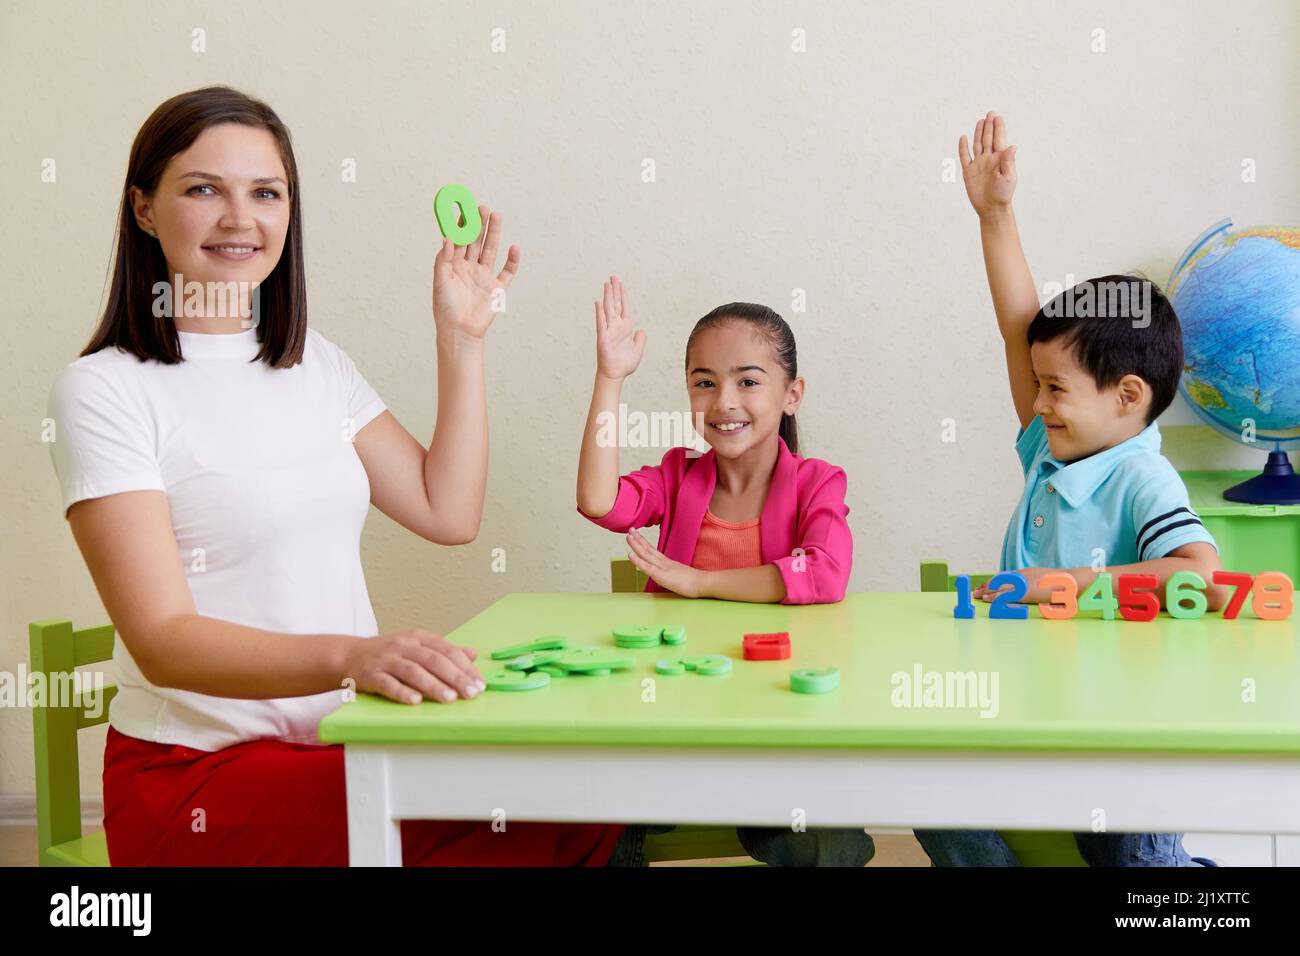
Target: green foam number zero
451, 205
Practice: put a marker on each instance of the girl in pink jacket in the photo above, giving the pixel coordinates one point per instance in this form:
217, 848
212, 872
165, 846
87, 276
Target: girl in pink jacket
749, 520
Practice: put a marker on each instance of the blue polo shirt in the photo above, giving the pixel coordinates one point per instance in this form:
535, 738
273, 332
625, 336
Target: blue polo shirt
1127, 500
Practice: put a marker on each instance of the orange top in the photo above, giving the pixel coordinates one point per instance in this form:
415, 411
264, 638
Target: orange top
724, 545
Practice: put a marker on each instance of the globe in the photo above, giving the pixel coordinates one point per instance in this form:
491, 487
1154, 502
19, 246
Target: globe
1237, 295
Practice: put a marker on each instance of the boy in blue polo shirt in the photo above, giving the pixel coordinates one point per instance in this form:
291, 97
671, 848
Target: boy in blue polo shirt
1090, 371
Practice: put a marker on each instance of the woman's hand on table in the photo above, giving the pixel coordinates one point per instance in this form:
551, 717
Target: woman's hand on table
410, 666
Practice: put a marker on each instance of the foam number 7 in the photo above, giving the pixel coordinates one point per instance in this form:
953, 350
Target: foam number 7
1242, 582
1004, 606
1271, 596
1067, 605
1099, 596
1137, 605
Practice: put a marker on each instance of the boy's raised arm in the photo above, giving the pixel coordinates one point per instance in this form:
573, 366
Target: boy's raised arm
990, 177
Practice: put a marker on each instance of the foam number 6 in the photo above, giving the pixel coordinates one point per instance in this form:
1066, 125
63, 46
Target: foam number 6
1271, 596
1004, 607
461, 227
1065, 607
1137, 605
1185, 586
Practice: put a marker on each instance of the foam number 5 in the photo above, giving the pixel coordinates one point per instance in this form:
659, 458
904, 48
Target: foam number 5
1067, 605
1185, 586
1004, 606
1137, 605
1271, 596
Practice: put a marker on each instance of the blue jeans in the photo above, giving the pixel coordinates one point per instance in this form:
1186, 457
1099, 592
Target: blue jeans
987, 848
781, 846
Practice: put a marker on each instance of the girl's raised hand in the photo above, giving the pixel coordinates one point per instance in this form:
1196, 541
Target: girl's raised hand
464, 281
990, 174
618, 350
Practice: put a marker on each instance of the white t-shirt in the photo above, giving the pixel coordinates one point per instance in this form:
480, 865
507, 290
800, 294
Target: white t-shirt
267, 495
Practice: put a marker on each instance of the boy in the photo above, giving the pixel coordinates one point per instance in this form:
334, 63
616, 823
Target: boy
1089, 373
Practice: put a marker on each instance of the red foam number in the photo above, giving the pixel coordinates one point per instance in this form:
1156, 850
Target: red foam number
767, 647
1137, 605
1243, 583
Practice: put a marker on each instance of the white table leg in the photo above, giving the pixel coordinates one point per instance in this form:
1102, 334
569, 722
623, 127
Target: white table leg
374, 833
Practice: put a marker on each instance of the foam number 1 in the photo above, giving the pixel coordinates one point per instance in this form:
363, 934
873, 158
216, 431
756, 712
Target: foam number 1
965, 607
1271, 596
457, 214
1065, 606
1004, 607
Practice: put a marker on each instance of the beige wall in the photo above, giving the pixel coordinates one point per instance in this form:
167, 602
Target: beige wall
776, 171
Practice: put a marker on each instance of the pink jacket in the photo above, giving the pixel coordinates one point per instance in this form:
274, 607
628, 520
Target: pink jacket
803, 527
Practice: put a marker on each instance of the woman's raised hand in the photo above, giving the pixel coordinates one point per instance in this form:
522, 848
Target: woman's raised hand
464, 282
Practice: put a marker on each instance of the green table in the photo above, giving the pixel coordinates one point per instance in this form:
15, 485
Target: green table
1167, 725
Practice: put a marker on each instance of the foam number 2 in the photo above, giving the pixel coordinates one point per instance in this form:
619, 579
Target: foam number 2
1185, 586
1065, 606
1271, 596
457, 214
1004, 607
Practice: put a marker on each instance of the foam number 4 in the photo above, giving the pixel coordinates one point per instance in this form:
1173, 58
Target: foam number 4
1135, 605
457, 214
1065, 606
1004, 607
1100, 596
1271, 596
1185, 586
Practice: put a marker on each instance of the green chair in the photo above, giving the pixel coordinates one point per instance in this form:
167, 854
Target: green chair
1031, 847
57, 649
685, 842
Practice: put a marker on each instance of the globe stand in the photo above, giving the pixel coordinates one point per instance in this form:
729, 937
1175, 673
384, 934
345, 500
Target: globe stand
1278, 485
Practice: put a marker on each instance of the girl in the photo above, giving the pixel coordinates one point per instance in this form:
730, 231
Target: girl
217, 465
750, 520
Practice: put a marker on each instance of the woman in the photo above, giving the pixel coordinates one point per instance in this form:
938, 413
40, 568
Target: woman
217, 459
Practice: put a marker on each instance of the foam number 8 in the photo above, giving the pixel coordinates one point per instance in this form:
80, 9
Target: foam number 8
1067, 605
1271, 596
461, 227
1185, 586
1004, 606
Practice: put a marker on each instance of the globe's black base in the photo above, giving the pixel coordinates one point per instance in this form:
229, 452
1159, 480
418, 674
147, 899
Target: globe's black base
1278, 485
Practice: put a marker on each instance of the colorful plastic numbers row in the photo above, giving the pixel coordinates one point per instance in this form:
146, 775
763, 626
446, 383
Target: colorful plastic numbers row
1271, 596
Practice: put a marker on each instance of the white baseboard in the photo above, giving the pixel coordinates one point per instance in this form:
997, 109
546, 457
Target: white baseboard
19, 810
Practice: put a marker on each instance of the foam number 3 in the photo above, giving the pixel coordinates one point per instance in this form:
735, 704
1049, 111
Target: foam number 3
1271, 596
1185, 586
1004, 607
457, 214
1067, 605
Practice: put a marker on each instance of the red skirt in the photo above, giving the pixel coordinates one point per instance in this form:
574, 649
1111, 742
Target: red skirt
272, 803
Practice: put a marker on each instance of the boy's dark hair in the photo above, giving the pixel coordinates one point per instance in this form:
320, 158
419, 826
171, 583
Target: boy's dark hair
1118, 325
769, 324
